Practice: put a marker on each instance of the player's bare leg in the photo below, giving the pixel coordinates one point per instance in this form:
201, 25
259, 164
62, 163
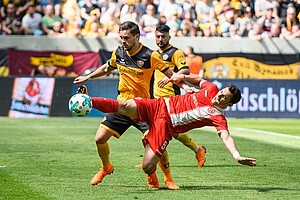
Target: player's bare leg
103, 150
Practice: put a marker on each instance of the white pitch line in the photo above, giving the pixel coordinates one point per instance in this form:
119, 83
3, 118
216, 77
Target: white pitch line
267, 137
269, 133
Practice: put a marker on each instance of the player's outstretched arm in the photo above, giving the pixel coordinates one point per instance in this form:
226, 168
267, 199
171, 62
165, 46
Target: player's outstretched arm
101, 71
231, 147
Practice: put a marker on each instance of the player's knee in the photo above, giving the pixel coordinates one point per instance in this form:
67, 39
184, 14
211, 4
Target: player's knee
102, 136
148, 168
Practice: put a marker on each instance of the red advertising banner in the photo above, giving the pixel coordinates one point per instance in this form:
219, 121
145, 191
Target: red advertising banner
49, 63
31, 97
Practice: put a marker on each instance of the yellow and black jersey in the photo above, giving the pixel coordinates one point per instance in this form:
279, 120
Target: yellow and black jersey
135, 71
175, 60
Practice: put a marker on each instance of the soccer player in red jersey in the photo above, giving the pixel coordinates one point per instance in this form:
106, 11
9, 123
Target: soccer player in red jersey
178, 114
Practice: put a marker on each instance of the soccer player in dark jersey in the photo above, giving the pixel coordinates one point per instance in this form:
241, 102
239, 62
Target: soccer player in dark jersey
136, 64
178, 114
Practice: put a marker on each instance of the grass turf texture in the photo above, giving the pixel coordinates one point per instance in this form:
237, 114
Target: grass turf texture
55, 158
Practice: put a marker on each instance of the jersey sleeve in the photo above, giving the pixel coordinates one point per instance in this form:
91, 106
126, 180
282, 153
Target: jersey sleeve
179, 59
157, 62
220, 123
112, 63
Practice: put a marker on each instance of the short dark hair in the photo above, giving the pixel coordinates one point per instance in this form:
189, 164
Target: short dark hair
236, 97
163, 28
128, 25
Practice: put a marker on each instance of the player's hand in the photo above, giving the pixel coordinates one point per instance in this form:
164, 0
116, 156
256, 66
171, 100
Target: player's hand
162, 82
80, 79
246, 161
190, 89
176, 78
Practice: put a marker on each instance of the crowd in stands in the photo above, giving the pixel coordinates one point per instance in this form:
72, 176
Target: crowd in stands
255, 19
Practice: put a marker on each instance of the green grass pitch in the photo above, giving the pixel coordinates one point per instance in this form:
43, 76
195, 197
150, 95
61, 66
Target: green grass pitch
55, 158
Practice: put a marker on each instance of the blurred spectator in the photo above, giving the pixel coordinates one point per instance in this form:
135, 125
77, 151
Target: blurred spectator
169, 8
295, 33
187, 23
20, 7
162, 19
290, 20
255, 33
70, 11
114, 32
90, 29
261, 6
73, 29
274, 32
233, 32
109, 21
31, 22
246, 22
205, 13
44, 3
0, 24
246, 6
87, 8
219, 7
111, 10
268, 19
149, 21
141, 8
227, 22
189, 6
130, 15
8, 19
194, 62
49, 19
57, 29
174, 24
94, 31
282, 8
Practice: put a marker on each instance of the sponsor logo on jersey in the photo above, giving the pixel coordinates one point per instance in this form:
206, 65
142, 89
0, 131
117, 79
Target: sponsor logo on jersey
165, 57
140, 63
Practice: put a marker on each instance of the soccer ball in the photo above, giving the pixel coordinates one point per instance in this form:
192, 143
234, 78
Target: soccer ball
80, 105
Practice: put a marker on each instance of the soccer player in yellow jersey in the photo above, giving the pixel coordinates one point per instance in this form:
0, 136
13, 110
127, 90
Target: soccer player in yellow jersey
176, 61
136, 64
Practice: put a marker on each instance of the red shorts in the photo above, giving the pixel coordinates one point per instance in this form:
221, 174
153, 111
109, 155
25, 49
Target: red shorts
154, 112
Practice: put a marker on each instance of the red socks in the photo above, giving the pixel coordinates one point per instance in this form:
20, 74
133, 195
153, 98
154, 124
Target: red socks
105, 105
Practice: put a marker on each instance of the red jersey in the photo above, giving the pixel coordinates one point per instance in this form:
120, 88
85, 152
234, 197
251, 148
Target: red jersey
196, 110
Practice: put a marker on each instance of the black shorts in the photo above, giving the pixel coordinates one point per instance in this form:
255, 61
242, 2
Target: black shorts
118, 124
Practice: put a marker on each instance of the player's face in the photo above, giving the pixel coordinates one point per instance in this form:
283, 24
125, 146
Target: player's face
222, 98
128, 40
162, 39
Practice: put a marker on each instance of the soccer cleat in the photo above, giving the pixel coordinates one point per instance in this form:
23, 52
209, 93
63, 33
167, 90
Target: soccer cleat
101, 174
171, 185
152, 180
200, 156
82, 90
140, 166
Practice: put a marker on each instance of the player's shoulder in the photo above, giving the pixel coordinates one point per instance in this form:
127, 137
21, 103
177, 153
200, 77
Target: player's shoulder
207, 84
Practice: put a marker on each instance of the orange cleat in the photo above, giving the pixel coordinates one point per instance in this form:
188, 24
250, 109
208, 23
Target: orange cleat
171, 185
101, 174
152, 180
139, 165
200, 156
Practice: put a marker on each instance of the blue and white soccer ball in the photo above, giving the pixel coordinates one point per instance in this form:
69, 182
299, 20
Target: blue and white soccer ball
80, 105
